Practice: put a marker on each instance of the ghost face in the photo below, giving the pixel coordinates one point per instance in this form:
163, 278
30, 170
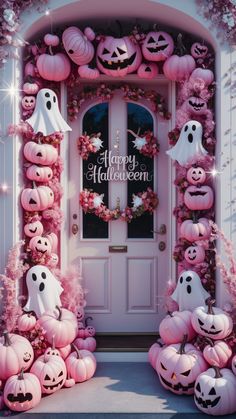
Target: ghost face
47, 117
188, 148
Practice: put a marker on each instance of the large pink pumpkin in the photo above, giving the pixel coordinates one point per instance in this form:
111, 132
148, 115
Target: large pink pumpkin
44, 154
178, 366
51, 372
118, 56
175, 325
81, 365
16, 353
217, 353
202, 73
193, 230
22, 392
53, 67
60, 325
157, 46
198, 197
154, 352
77, 45
37, 199
179, 68
194, 254
88, 343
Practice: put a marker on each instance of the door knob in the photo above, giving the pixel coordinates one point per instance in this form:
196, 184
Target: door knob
162, 246
162, 230
75, 229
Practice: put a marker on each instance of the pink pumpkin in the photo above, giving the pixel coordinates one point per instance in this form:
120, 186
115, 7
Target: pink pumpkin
198, 50
88, 343
22, 392
29, 69
90, 330
118, 56
195, 105
34, 228
147, 71
193, 230
51, 40
51, 372
37, 199
217, 353
77, 45
87, 72
179, 68
81, 365
16, 353
157, 46
70, 382
28, 103
26, 322
30, 88
198, 197
65, 351
44, 154
154, 352
53, 239
202, 73
80, 314
175, 325
178, 366
53, 260
196, 175
53, 67
195, 254
60, 323
39, 174
40, 244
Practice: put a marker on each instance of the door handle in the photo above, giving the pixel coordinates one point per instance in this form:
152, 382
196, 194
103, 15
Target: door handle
161, 231
75, 229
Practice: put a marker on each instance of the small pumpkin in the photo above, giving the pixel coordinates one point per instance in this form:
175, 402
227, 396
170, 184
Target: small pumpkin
53, 260
199, 50
51, 372
30, 88
196, 175
87, 72
53, 67
212, 322
26, 322
90, 330
37, 199
147, 70
157, 46
39, 174
44, 154
51, 39
22, 392
193, 230
195, 254
34, 228
40, 244
195, 105
28, 103
81, 365
175, 325
179, 68
214, 392
78, 45
217, 353
88, 343
178, 366
154, 352
202, 73
198, 197
53, 239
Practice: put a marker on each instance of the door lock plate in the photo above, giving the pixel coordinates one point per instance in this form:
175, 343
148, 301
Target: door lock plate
162, 246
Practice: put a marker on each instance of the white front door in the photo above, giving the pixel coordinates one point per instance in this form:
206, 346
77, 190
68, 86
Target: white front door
124, 270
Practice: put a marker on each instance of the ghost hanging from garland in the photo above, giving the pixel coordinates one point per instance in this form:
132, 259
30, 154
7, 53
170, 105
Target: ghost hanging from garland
47, 117
188, 149
189, 292
44, 290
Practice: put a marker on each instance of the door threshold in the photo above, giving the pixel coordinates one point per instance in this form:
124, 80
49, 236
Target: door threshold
121, 356
125, 342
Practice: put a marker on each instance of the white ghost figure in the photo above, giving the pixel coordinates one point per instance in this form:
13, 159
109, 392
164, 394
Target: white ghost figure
46, 117
189, 292
188, 148
44, 290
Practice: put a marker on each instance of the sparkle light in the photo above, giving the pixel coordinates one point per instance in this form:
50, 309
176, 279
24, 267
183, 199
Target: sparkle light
214, 172
47, 13
4, 187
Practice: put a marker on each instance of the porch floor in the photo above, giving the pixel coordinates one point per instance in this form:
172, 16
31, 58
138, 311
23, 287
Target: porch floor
119, 390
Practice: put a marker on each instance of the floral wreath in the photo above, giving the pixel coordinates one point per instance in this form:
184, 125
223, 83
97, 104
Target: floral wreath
146, 144
92, 203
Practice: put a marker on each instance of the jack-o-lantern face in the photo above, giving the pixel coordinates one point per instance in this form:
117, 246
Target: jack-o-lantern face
148, 70
51, 372
28, 103
22, 392
40, 244
198, 50
158, 46
118, 56
194, 254
33, 229
80, 314
196, 105
196, 175
198, 197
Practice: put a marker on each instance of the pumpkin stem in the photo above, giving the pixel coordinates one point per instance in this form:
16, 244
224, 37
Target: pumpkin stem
86, 320
210, 301
77, 351
195, 219
181, 350
50, 49
217, 372
34, 184
208, 340
7, 340
21, 374
180, 46
169, 313
60, 313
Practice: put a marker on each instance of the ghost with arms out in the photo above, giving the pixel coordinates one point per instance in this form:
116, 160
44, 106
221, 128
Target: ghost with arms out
189, 292
46, 117
44, 290
188, 149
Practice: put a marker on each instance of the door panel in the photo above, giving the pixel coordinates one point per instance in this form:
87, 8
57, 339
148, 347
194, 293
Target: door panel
140, 285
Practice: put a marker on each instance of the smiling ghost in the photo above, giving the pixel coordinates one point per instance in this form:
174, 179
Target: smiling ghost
189, 292
188, 148
44, 290
47, 117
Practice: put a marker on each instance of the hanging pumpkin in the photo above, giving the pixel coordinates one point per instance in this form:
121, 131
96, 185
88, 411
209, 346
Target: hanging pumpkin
16, 353
39, 174
196, 175
118, 56
30, 88
195, 105
214, 392
178, 366
28, 103
195, 254
60, 323
175, 325
44, 154
53, 67
51, 39
78, 45
178, 68
202, 73
34, 228
157, 46
198, 50
88, 343
217, 353
40, 244
22, 392
51, 372
193, 230
154, 352
147, 71
37, 199
198, 197
212, 322
81, 365
26, 322
87, 72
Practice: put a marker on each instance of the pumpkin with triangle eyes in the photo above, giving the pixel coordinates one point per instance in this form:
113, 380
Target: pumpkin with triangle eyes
214, 392
198, 50
194, 254
196, 175
40, 244
51, 372
147, 71
157, 46
39, 174
178, 366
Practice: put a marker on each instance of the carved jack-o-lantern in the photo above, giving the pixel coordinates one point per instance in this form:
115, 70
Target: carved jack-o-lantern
51, 372
22, 392
147, 71
41, 244
196, 175
158, 46
118, 56
194, 254
34, 228
39, 174
28, 103
198, 50
196, 105
198, 197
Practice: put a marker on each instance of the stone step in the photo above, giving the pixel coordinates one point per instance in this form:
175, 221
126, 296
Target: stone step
124, 342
